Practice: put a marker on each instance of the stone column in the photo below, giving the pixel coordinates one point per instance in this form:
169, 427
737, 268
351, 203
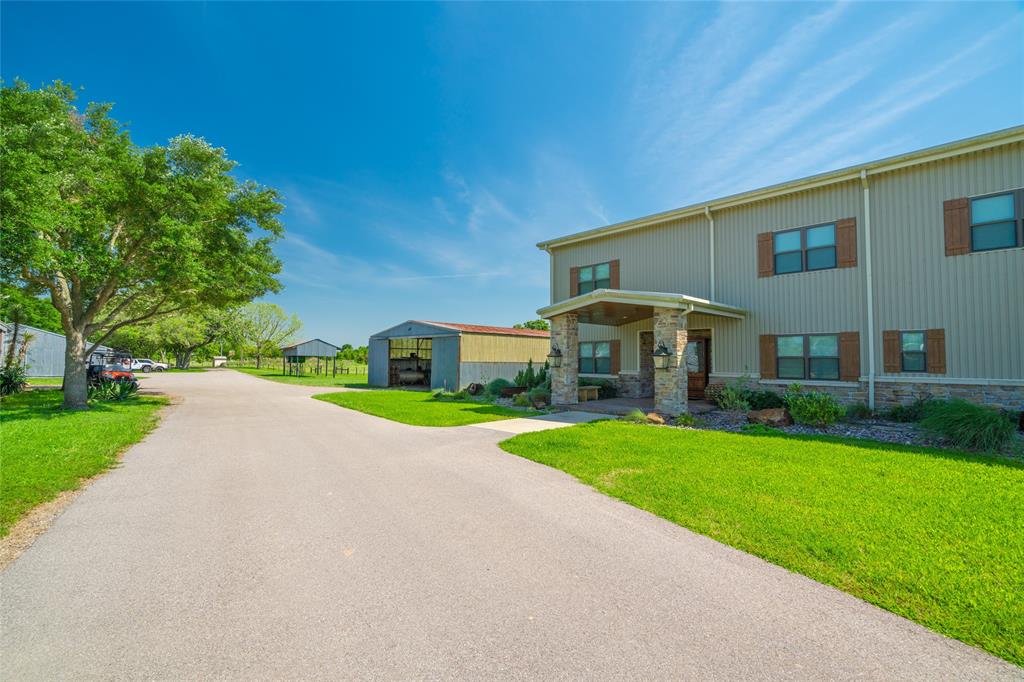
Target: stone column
565, 334
670, 385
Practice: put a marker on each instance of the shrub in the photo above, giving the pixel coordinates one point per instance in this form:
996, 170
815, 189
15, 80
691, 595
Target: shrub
859, 411
686, 419
913, 412
529, 377
494, 388
763, 400
713, 392
521, 400
966, 425
814, 408
635, 417
540, 394
113, 391
12, 379
605, 389
441, 394
733, 397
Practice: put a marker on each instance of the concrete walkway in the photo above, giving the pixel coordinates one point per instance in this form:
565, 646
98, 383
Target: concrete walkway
258, 534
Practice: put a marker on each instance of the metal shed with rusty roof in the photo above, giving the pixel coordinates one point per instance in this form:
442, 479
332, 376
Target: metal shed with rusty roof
452, 355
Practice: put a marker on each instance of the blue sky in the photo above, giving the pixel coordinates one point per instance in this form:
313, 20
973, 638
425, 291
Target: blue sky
423, 149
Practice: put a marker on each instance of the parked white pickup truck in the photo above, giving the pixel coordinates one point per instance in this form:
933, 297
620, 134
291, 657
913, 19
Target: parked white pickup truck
147, 365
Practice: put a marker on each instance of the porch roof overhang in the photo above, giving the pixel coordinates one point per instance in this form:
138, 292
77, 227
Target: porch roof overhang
617, 307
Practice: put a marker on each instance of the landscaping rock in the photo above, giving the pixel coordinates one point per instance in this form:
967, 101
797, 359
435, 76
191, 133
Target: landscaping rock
773, 416
655, 418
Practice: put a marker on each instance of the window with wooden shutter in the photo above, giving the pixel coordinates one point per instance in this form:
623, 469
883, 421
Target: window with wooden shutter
846, 243
935, 350
613, 268
574, 282
849, 356
768, 356
956, 213
615, 349
891, 351
765, 255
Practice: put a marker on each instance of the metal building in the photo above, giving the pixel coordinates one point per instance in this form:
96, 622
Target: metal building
450, 355
296, 355
45, 356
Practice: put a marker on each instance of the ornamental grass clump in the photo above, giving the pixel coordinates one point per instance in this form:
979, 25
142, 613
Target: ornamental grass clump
635, 417
969, 426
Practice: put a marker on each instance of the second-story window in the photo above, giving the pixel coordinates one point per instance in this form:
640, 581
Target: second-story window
994, 221
807, 248
595, 277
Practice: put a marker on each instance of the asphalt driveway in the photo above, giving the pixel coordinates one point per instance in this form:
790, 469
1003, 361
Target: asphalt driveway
258, 534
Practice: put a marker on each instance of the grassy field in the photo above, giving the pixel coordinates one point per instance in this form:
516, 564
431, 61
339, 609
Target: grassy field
356, 380
933, 535
419, 409
47, 450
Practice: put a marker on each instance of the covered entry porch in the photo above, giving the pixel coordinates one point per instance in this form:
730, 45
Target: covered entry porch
662, 351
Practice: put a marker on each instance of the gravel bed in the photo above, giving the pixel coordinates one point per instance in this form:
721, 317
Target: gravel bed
871, 429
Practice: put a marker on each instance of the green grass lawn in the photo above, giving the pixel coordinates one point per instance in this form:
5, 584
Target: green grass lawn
45, 381
933, 535
420, 409
47, 450
357, 380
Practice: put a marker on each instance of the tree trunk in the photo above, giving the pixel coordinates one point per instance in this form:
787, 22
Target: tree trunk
183, 359
257, 361
76, 370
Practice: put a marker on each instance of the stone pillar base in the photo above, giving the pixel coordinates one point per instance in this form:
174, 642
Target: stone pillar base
565, 335
671, 385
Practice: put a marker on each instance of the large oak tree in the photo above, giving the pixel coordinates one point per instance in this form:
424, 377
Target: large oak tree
119, 234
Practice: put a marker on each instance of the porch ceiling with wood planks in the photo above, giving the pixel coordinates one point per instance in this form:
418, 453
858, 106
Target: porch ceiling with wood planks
616, 307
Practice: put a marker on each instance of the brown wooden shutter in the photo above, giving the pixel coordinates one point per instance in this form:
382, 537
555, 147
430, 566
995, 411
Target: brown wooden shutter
957, 226
891, 351
574, 282
935, 349
765, 257
615, 348
613, 274
846, 243
849, 356
768, 356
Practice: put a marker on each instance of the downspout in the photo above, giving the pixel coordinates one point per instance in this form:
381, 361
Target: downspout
711, 250
551, 276
869, 289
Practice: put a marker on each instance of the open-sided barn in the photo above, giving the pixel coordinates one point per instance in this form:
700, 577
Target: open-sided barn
450, 355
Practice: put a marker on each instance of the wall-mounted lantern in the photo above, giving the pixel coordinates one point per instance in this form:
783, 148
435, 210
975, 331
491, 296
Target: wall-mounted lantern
662, 356
555, 357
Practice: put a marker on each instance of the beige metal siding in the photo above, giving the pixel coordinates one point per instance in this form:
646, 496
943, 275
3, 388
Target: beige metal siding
668, 257
797, 303
499, 348
977, 298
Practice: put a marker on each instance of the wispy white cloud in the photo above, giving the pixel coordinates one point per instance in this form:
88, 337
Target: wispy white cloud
807, 102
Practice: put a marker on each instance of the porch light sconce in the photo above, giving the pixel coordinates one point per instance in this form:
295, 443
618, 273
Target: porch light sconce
555, 357
662, 356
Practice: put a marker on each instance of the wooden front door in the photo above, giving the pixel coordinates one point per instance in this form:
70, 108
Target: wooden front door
698, 366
